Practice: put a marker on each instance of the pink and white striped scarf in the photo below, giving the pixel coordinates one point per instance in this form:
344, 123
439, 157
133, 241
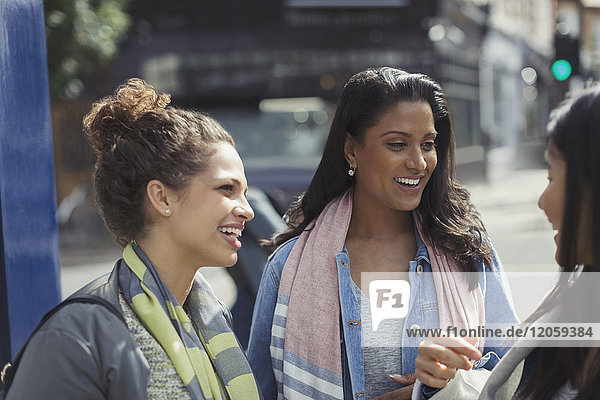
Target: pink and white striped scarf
305, 337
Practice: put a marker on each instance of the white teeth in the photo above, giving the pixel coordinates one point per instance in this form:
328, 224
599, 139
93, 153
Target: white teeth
236, 231
406, 181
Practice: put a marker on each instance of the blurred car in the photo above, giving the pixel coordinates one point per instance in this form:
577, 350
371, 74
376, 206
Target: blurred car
280, 142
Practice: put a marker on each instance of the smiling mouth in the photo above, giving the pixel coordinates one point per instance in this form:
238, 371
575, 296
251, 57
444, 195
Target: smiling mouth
235, 232
408, 182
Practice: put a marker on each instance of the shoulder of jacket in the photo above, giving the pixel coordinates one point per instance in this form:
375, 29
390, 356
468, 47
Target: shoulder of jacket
95, 306
106, 287
83, 318
282, 252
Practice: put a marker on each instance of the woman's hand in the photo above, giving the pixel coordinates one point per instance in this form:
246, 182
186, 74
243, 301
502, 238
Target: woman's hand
404, 393
440, 357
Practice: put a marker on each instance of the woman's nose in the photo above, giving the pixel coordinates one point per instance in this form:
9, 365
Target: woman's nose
244, 210
541, 200
416, 160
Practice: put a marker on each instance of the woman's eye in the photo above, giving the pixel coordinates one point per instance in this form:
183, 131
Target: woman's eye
397, 145
227, 188
429, 145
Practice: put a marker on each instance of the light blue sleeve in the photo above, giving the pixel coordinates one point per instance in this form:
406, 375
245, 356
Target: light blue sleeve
499, 309
259, 354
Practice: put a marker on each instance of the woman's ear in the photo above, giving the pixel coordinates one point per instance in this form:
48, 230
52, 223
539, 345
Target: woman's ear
349, 145
159, 197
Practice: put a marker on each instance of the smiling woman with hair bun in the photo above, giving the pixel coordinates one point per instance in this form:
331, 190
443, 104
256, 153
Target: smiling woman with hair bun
171, 189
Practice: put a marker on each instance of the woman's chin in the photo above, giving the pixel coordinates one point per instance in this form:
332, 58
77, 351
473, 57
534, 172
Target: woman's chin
557, 243
231, 260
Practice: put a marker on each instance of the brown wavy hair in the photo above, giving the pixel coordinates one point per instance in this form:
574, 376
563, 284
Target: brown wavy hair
137, 137
449, 219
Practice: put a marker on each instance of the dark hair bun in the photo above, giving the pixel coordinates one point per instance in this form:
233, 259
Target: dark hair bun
137, 138
114, 117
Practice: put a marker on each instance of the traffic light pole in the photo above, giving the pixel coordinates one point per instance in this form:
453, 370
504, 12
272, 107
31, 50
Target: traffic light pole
566, 57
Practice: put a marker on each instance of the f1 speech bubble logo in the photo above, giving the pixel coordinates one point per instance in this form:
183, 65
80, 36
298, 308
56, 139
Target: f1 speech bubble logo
389, 300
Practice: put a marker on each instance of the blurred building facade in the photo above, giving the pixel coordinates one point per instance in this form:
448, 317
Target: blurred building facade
590, 36
492, 58
238, 52
517, 85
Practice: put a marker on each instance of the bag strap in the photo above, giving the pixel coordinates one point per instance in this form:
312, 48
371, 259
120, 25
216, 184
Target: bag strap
10, 369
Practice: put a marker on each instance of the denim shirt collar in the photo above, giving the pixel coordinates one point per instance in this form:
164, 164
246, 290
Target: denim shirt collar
421, 248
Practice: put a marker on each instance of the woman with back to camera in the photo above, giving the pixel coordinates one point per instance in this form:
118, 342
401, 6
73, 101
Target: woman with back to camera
383, 199
571, 201
171, 189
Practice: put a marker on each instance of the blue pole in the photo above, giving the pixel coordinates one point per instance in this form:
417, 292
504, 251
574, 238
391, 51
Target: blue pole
29, 256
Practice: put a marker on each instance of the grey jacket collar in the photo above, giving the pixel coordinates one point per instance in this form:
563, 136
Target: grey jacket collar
106, 286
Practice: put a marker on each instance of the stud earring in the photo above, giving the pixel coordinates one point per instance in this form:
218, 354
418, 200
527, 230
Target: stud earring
351, 171
167, 211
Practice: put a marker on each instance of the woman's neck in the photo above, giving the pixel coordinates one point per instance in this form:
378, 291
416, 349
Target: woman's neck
174, 273
372, 221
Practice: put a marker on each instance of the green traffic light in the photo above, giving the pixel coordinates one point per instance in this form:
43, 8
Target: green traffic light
561, 69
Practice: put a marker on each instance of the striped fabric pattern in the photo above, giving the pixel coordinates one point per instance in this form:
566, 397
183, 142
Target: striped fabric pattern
305, 346
163, 381
305, 379
193, 345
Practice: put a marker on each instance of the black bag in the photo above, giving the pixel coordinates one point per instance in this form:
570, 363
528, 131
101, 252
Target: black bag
10, 369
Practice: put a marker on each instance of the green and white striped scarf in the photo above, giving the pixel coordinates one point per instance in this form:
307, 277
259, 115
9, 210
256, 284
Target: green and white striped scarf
193, 345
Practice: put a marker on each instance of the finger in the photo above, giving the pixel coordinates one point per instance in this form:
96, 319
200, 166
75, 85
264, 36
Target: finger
430, 380
404, 379
456, 344
444, 355
435, 369
471, 339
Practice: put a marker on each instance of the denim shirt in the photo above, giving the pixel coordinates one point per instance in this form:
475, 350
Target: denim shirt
423, 313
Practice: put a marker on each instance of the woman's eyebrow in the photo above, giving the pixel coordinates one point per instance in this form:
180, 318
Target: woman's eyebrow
405, 133
227, 179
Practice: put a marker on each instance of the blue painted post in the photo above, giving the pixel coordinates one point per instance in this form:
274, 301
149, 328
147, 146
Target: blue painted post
29, 262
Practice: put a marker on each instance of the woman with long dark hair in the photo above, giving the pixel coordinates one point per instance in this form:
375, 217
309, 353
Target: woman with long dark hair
541, 369
383, 200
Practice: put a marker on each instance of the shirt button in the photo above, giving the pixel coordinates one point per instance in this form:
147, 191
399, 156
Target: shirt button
419, 269
415, 327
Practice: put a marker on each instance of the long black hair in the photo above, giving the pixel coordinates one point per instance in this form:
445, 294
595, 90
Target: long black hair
574, 129
448, 218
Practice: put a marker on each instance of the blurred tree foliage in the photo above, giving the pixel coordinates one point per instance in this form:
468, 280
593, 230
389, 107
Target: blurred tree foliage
82, 37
